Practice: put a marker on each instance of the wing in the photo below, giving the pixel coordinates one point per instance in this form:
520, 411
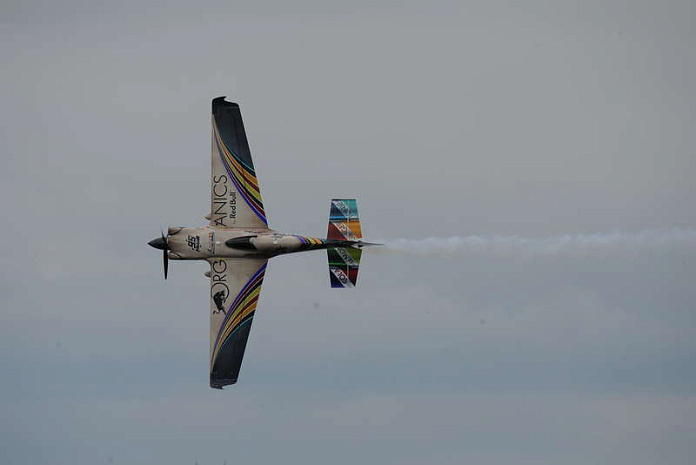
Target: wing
235, 286
235, 195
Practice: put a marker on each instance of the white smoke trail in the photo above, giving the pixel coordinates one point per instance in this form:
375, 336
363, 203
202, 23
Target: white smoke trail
578, 245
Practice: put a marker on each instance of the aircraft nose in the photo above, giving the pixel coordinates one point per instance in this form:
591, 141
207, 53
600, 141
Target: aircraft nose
158, 243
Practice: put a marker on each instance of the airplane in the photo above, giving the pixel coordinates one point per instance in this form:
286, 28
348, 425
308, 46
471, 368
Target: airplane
237, 243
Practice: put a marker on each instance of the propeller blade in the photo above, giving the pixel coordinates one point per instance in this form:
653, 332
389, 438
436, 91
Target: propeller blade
166, 263
162, 243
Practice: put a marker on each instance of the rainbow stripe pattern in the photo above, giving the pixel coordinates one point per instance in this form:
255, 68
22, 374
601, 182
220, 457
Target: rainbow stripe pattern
309, 243
232, 145
239, 316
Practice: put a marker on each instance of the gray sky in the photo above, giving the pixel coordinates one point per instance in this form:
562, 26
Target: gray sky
533, 119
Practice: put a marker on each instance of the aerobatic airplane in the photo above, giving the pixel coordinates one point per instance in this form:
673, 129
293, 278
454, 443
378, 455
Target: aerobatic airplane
238, 243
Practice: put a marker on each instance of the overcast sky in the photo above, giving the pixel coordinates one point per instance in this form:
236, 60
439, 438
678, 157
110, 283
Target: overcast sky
535, 119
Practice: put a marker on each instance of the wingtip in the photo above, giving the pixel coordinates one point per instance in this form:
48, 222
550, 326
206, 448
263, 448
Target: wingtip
218, 383
220, 102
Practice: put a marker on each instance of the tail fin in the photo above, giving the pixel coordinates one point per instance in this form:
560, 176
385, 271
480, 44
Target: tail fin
344, 224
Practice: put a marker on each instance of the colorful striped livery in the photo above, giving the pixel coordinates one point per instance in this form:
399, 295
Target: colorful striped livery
343, 266
309, 243
230, 143
230, 342
344, 222
237, 243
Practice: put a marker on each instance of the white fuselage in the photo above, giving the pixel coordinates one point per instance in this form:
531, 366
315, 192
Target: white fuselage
205, 242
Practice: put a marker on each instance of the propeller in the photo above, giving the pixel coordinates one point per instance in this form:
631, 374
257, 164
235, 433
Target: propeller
165, 254
162, 244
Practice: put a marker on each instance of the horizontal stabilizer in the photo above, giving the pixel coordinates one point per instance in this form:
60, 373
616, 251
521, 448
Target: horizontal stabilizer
344, 222
344, 231
343, 266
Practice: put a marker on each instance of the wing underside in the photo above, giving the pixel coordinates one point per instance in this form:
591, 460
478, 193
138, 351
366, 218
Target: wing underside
235, 195
235, 286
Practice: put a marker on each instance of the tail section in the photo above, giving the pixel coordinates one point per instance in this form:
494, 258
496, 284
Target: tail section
343, 266
344, 225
